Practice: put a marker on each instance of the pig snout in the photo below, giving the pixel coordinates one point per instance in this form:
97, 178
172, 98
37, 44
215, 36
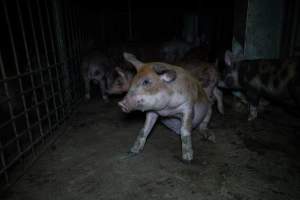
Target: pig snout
124, 106
131, 102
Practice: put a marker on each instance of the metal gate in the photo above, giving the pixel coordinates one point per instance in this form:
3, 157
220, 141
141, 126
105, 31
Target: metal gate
40, 82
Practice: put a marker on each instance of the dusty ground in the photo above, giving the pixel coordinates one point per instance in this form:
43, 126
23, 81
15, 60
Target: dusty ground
257, 160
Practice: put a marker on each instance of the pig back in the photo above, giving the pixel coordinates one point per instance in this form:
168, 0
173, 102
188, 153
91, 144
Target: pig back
186, 85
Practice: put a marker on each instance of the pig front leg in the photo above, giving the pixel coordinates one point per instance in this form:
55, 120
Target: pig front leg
253, 99
203, 126
252, 112
139, 143
103, 89
87, 87
206, 120
218, 94
186, 138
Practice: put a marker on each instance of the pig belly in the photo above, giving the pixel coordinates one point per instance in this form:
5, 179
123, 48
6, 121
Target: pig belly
172, 123
200, 111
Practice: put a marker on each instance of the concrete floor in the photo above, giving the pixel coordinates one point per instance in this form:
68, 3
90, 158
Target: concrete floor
250, 160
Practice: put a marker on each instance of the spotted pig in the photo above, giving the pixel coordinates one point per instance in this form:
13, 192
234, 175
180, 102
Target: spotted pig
275, 80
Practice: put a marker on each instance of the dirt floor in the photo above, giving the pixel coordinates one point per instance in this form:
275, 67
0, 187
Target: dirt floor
250, 160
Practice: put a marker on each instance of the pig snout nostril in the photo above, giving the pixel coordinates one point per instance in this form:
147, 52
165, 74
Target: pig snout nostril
140, 101
123, 106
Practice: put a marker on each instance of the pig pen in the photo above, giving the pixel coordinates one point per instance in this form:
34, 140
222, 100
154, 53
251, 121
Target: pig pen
55, 145
250, 160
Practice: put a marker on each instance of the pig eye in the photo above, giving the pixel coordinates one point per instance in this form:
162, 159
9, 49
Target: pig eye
146, 82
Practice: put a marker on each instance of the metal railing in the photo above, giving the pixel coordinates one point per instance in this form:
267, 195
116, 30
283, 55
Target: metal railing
40, 81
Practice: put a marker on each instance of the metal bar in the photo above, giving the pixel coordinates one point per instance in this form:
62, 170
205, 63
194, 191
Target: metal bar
46, 55
18, 72
130, 29
53, 50
73, 51
57, 103
57, 13
3, 163
29, 73
20, 14
37, 53
24, 131
29, 109
45, 147
38, 59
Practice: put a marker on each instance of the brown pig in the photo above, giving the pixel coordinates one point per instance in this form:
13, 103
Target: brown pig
168, 91
205, 72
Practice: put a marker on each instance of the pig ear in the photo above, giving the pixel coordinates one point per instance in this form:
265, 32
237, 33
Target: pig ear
120, 72
228, 58
133, 60
167, 75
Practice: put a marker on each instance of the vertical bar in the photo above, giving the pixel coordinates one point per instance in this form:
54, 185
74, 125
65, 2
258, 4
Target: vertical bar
72, 31
48, 64
294, 28
130, 20
20, 14
57, 13
55, 58
9, 106
19, 80
39, 64
3, 162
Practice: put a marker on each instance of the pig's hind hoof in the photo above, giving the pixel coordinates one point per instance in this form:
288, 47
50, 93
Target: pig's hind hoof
128, 155
132, 154
187, 162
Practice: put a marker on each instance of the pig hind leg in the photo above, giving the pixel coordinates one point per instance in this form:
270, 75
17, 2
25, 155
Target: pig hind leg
102, 86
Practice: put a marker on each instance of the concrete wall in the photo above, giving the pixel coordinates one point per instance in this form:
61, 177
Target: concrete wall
258, 28
263, 29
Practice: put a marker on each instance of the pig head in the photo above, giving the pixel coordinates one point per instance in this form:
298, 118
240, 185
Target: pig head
168, 91
149, 89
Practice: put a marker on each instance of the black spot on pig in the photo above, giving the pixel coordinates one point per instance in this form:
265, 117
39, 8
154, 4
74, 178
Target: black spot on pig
252, 71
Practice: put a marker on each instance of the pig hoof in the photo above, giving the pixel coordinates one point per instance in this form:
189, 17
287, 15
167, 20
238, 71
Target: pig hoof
187, 157
203, 126
131, 154
186, 161
251, 118
212, 138
135, 150
208, 135
87, 96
